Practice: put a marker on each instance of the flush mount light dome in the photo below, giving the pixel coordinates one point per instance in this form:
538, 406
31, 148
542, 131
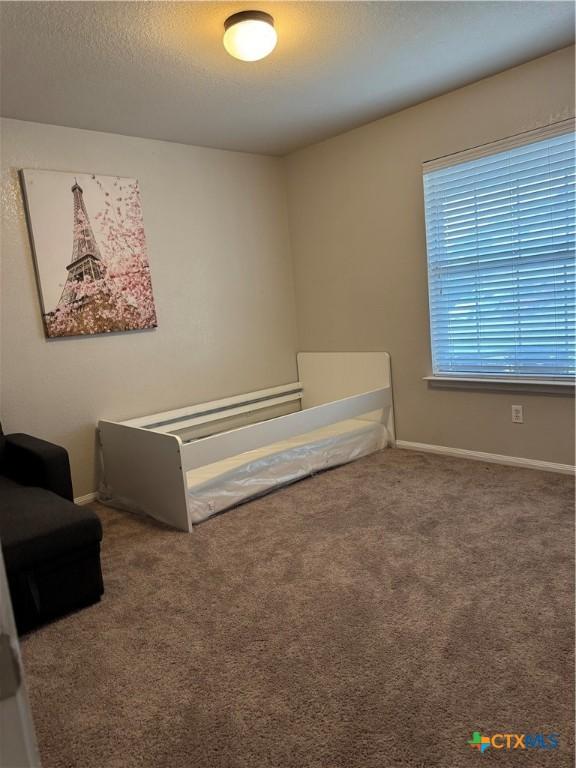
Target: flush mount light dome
249, 35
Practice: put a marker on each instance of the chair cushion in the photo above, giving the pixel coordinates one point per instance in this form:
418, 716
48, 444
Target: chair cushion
37, 525
6, 483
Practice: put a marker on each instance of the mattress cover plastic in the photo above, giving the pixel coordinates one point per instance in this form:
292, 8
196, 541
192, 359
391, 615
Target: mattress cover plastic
215, 487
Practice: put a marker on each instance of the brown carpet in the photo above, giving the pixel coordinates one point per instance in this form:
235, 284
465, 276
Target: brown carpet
371, 616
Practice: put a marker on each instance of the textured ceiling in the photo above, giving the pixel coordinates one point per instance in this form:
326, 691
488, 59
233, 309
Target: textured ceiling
158, 69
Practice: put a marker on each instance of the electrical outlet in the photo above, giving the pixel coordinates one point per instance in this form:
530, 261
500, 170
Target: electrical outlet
518, 414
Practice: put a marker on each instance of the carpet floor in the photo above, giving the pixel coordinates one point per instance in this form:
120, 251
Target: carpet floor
372, 616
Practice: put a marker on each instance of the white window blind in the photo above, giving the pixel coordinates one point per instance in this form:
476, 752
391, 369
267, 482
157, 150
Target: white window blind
500, 231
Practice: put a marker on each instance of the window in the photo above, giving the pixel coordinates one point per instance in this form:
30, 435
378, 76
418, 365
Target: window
500, 229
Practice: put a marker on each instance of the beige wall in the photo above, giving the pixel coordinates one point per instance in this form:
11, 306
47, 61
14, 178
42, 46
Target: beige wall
358, 241
218, 240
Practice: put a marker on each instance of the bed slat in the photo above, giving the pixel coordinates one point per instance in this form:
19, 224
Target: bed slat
220, 414
155, 420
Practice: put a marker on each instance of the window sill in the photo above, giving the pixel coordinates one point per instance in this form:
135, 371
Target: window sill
544, 386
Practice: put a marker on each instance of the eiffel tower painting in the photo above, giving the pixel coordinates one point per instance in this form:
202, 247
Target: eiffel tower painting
86, 263
105, 285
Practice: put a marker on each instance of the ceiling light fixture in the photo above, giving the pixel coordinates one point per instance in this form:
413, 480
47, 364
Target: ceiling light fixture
249, 35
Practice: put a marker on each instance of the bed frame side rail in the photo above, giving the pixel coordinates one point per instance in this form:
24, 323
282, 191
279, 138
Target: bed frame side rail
226, 444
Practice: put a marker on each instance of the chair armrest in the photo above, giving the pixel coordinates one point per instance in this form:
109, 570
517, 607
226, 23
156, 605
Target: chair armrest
31, 461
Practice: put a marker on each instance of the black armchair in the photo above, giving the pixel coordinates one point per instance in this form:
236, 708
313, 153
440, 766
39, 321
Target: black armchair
31, 461
51, 546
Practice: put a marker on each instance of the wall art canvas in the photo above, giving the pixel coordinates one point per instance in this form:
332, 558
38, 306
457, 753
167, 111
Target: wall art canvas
89, 246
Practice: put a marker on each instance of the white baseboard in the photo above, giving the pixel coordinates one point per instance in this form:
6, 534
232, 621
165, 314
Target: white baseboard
494, 458
89, 497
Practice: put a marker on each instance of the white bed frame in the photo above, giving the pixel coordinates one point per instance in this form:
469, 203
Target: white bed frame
145, 463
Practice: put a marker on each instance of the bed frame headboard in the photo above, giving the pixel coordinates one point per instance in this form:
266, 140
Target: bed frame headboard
328, 376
